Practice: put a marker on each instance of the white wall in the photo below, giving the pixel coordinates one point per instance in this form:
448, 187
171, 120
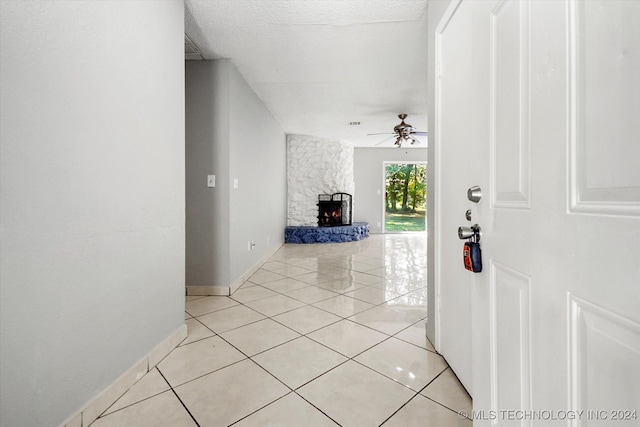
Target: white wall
230, 134
259, 162
368, 200
207, 153
92, 189
315, 166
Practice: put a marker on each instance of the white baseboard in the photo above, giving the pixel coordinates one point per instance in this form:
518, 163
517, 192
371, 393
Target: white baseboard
208, 290
229, 290
240, 280
117, 388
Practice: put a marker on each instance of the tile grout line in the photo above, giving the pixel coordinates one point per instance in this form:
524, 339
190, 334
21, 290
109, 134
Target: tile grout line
431, 382
318, 409
446, 407
179, 400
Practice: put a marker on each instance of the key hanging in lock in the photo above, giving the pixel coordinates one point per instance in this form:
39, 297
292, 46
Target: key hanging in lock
472, 254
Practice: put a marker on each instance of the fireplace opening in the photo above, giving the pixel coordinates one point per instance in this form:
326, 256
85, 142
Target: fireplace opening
334, 209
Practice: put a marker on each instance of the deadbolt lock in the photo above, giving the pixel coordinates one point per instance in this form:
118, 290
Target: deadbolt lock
474, 194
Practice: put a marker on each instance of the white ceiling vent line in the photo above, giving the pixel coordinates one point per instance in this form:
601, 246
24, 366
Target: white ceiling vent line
191, 51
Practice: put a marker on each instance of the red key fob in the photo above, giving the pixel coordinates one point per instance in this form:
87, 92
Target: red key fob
472, 257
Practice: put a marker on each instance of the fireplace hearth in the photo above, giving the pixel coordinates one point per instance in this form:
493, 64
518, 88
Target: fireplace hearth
334, 209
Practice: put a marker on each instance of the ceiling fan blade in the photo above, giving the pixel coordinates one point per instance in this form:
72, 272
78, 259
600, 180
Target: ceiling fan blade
420, 133
383, 133
384, 140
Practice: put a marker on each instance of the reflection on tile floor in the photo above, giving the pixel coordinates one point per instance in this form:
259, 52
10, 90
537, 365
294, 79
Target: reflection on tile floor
321, 335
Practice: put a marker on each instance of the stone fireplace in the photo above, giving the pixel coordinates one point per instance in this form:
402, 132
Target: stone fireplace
320, 183
315, 166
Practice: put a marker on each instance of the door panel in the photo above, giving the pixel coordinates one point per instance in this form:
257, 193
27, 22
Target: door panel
604, 41
509, 337
505, 217
509, 112
604, 361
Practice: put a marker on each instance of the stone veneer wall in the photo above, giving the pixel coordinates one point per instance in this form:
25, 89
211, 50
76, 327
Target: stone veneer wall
315, 166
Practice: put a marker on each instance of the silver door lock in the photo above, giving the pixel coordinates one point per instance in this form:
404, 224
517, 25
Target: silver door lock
474, 194
474, 232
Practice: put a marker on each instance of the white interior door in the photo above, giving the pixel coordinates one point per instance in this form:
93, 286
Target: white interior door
453, 145
555, 313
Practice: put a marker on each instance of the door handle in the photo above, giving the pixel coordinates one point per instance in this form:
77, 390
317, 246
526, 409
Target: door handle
474, 232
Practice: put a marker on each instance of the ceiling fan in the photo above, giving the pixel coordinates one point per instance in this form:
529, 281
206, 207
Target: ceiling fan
404, 133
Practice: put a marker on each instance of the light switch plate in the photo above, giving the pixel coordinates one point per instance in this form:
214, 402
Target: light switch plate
235, 183
211, 180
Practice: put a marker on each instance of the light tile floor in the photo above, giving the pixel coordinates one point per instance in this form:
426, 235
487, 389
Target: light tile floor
321, 335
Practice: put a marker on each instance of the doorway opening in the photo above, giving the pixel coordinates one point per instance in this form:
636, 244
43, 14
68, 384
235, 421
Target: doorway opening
405, 198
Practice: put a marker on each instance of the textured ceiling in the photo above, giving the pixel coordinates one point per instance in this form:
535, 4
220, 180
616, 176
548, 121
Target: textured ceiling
320, 64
